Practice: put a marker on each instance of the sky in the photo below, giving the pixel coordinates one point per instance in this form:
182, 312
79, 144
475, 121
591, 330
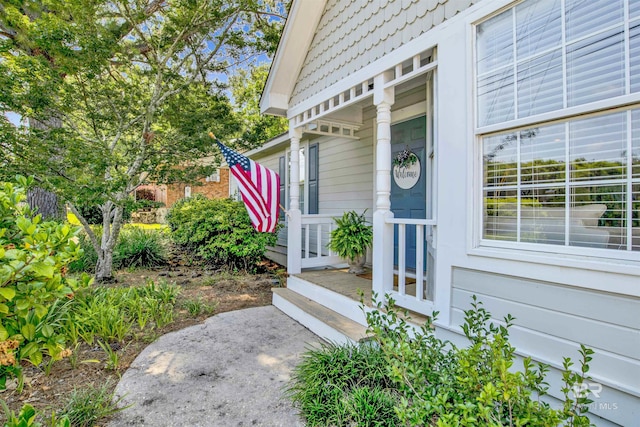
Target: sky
13, 118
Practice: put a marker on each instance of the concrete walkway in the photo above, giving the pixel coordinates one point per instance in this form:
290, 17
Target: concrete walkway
229, 371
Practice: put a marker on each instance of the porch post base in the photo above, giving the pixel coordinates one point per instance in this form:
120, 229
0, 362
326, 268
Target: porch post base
294, 241
382, 262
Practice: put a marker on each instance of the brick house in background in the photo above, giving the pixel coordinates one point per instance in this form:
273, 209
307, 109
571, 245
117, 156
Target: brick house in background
215, 186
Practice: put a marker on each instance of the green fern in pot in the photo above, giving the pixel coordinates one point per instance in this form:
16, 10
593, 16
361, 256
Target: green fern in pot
351, 238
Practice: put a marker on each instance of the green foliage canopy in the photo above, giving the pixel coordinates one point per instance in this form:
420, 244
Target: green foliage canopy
119, 93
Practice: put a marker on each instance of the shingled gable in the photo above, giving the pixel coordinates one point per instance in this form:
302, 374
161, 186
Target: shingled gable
295, 41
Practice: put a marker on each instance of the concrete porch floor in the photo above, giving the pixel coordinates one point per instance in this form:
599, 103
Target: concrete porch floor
351, 286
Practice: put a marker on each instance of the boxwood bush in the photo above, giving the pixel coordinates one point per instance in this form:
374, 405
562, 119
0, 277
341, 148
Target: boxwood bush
218, 231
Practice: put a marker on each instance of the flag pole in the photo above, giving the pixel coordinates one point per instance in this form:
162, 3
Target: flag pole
286, 212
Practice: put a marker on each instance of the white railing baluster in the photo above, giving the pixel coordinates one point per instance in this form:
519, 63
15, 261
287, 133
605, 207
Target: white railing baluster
402, 234
415, 302
419, 262
321, 222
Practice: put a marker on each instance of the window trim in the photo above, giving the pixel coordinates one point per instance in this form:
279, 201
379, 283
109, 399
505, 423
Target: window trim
572, 255
304, 145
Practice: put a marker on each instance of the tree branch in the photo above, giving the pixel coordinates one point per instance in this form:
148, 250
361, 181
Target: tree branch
86, 226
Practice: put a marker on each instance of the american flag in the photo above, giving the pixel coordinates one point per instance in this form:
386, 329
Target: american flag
259, 187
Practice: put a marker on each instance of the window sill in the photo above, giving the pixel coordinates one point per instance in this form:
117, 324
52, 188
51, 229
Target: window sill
600, 260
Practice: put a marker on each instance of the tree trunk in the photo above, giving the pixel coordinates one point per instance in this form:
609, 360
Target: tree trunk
111, 225
104, 267
45, 203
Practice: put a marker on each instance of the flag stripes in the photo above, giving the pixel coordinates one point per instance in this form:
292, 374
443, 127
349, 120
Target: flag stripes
259, 187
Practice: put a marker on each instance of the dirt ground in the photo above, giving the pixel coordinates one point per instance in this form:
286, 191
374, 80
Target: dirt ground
220, 289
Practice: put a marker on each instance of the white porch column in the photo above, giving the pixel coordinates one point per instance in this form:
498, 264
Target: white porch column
383, 232
294, 234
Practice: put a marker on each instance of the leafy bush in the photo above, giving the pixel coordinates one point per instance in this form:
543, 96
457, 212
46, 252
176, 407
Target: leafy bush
33, 280
405, 377
219, 231
344, 384
27, 418
444, 385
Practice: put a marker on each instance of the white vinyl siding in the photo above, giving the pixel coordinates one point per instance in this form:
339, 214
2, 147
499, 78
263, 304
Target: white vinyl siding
568, 180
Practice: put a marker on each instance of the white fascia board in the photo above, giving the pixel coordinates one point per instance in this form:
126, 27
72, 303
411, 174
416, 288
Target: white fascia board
297, 36
276, 104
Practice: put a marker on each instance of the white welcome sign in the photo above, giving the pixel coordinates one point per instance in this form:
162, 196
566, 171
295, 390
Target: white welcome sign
408, 175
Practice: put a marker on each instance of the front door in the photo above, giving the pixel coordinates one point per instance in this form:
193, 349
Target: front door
409, 180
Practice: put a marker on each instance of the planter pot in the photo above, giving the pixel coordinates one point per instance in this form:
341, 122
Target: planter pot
357, 265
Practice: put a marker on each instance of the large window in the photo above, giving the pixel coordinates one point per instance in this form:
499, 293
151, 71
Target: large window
558, 85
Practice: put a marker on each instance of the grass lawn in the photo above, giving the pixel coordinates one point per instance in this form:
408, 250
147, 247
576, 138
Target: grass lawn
74, 220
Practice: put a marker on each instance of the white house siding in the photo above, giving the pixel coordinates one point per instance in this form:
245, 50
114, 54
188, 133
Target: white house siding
354, 33
552, 320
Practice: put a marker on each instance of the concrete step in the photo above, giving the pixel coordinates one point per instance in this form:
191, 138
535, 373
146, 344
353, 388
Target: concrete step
341, 304
321, 320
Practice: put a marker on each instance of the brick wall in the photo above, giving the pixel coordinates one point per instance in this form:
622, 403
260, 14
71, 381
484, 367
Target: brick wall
212, 190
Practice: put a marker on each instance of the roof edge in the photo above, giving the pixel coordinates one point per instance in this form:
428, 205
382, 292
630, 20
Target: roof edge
298, 33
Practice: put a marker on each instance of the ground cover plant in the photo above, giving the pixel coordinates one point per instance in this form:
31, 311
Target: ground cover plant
136, 247
405, 377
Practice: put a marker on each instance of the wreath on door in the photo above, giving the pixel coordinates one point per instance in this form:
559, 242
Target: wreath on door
405, 158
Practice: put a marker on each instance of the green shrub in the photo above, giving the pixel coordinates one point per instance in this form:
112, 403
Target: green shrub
140, 248
219, 231
338, 385
405, 377
33, 278
136, 247
443, 385
27, 418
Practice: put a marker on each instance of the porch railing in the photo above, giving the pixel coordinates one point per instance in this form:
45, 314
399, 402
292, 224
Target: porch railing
420, 299
316, 232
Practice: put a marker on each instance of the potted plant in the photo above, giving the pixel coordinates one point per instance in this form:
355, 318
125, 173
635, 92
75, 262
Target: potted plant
351, 239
